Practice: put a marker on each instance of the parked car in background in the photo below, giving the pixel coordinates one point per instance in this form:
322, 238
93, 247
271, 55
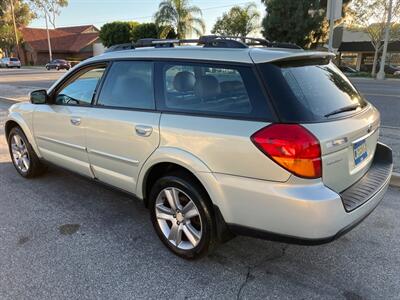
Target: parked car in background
389, 69
10, 62
216, 140
58, 64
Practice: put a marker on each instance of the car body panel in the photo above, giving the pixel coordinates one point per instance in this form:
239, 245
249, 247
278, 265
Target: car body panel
22, 114
305, 210
176, 156
337, 139
59, 141
224, 144
116, 152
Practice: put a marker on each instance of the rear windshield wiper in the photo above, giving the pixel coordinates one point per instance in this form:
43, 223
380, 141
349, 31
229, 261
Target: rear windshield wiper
343, 109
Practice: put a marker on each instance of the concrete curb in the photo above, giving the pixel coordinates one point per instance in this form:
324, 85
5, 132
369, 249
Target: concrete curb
395, 180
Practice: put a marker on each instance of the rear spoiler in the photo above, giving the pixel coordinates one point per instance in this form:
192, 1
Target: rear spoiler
262, 56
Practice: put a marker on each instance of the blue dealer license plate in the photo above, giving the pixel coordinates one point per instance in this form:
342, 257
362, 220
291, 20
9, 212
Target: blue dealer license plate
360, 152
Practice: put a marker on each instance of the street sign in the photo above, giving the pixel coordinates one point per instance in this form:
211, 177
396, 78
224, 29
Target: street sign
334, 9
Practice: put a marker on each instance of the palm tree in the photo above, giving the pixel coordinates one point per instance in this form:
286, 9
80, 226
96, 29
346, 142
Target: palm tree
180, 16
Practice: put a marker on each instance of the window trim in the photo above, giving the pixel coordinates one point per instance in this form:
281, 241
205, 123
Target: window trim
158, 60
95, 103
75, 74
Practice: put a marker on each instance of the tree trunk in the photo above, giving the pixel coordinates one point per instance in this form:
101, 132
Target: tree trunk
373, 72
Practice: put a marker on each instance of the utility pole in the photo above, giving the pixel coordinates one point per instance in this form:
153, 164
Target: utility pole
333, 12
331, 25
48, 37
15, 27
381, 73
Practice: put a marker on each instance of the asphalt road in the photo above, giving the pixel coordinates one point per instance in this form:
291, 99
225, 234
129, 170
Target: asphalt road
30, 78
65, 237
383, 94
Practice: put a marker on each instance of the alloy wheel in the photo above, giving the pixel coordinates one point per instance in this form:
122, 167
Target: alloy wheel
20, 153
178, 218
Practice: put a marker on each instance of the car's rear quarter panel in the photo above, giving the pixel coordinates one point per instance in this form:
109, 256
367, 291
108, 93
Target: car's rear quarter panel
224, 145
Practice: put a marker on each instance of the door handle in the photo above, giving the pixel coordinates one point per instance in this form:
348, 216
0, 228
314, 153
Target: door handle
75, 121
143, 130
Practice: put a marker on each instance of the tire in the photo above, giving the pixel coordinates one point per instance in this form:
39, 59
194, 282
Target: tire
200, 227
30, 168
58, 68
48, 68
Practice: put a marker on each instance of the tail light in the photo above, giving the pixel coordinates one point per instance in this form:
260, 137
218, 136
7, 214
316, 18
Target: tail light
291, 146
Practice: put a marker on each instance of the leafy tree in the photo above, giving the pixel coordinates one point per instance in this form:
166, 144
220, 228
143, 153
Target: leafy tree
23, 15
180, 16
302, 22
117, 33
149, 30
366, 10
238, 21
50, 8
145, 30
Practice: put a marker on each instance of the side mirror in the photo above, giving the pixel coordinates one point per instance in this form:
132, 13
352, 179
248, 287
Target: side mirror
39, 97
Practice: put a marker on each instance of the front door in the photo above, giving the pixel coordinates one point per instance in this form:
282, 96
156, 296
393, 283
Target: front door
123, 127
59, 128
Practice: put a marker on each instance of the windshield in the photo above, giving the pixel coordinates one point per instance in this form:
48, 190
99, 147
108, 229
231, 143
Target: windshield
308, 91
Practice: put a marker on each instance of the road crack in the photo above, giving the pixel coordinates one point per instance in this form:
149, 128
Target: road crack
250, 269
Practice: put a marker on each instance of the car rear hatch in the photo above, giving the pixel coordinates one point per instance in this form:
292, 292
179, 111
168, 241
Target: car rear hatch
312, 92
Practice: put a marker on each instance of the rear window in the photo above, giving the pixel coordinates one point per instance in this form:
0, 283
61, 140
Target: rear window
307, 91
14, 59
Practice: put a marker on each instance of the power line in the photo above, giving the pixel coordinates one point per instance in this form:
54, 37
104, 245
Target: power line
144, 17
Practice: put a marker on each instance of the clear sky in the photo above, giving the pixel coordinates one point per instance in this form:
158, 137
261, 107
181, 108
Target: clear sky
98, 12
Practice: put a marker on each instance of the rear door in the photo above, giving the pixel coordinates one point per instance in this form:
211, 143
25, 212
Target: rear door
317, 95
122, 129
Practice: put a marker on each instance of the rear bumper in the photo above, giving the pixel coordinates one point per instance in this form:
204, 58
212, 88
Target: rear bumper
301, 211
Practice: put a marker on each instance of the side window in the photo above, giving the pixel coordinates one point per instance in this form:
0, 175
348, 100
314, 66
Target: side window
129, 84
80, 90
213, 90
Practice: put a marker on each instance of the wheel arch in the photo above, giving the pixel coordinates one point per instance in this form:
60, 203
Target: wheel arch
165, 160
15, 120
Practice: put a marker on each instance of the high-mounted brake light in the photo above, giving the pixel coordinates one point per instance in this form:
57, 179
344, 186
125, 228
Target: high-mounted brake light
291, 146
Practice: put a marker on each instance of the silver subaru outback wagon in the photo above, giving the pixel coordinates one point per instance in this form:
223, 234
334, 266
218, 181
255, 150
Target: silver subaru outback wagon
218, 139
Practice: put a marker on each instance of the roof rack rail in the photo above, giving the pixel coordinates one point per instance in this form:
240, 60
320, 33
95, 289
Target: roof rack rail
120, 47
207, 41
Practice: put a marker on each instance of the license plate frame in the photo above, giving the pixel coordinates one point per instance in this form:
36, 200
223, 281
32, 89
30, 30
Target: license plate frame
360, 152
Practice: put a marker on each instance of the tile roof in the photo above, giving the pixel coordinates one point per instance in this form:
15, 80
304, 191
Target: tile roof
65, 39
